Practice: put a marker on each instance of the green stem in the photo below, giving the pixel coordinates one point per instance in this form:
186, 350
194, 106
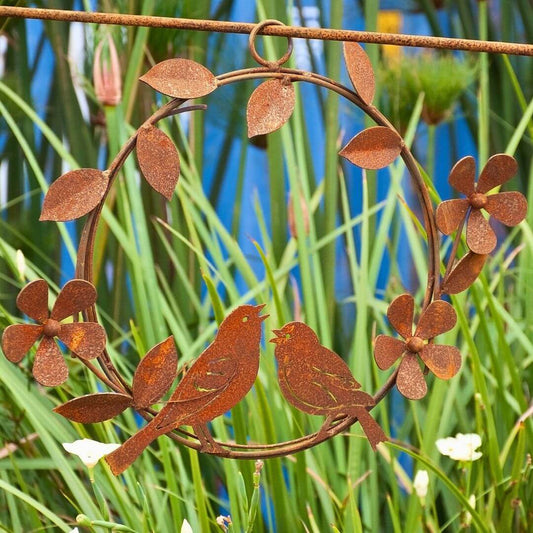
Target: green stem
431, 151
331, 192
484, 89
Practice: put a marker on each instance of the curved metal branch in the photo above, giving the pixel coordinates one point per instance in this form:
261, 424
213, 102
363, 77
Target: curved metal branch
84, 268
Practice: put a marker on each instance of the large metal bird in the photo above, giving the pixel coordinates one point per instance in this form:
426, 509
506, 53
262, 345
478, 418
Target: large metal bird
318, 381
218, 380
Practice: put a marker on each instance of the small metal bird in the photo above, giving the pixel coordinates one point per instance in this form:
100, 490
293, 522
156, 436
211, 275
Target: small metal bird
317, 381
218, 380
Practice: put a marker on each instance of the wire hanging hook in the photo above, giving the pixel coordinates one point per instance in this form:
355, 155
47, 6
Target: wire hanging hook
251, 44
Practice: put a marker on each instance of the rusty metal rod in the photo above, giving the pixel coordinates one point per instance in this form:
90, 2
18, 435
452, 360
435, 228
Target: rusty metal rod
325, 34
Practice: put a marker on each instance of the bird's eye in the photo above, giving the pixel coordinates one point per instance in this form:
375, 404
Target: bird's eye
245, 319
287, 335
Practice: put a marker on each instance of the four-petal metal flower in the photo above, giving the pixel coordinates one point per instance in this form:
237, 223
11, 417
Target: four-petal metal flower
510, 208
85, 339
443, 361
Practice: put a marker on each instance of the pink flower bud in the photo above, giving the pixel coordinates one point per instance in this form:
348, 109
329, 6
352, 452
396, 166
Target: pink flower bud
106, 74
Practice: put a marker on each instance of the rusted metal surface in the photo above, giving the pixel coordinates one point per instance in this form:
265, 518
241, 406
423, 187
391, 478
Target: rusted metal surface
464, 273
155, 374
85, 339
152, 380
318, 381
269, 107
360, 71
443, 361
93, 408
510, 208
217, 381
312, 378
373, 148
180, 78
158, 160
74, 194
259, 28
324, 34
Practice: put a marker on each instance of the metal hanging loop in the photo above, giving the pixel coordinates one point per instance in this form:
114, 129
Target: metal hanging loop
253, 51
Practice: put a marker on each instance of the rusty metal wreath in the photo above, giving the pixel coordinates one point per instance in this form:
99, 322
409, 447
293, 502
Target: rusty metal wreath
312, 378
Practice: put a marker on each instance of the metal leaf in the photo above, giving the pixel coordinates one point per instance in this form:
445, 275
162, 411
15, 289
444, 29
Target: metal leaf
360, 71
93, 408
439, 317
443, 361
464, 273
269, 107
180, 78
17, 339
74, 194
77, 295
499, 169
85, 339
373, 148
400, 314
463, 175
450, 214
32, 300
159, 160
510, 208
155, 373
410, 381
49, 367
480, 237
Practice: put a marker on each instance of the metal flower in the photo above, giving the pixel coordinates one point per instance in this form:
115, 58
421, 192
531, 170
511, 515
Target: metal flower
85, 339
443, 361
510, 208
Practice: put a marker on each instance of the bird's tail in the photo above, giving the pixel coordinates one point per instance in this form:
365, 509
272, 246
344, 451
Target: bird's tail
371, 428
124, 456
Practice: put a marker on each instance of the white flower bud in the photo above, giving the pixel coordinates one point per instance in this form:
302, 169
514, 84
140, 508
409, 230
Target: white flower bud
186, 527
420, 483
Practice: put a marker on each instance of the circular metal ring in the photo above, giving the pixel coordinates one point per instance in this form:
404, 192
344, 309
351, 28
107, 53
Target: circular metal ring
253, 51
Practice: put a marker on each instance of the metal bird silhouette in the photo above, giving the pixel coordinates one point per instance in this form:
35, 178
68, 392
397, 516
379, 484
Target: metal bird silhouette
218, 380
317, 381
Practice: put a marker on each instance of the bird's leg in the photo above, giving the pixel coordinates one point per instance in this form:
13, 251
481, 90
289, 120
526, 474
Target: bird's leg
323, 432
208, 443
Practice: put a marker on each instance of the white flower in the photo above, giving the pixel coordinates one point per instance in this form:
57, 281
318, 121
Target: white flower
89, 451
186, 527
461, 448
75, 530
420, 483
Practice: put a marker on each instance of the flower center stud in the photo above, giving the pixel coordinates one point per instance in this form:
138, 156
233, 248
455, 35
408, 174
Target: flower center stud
415, 344
478, 200
51, 328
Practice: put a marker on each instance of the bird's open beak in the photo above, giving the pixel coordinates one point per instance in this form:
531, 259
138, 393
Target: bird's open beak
259, 309
279, 336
